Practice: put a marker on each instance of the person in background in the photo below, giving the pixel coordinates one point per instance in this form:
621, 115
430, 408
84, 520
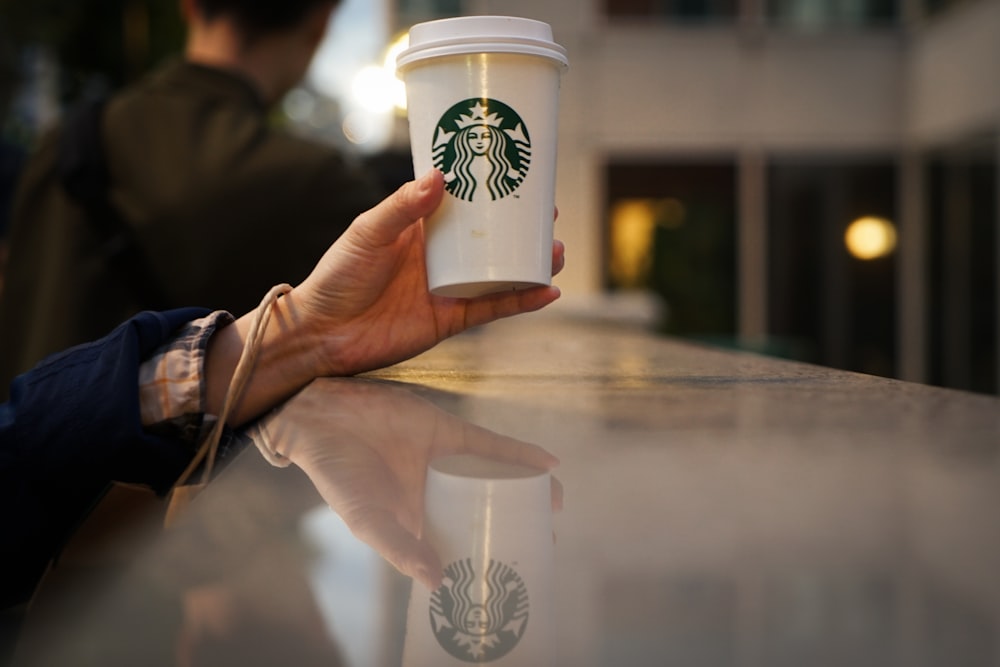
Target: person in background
177, 190
132, 407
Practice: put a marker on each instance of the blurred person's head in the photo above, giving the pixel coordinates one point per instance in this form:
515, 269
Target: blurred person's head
260, 17
270, 41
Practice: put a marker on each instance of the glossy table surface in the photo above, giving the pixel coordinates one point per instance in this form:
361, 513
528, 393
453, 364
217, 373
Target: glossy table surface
719, 508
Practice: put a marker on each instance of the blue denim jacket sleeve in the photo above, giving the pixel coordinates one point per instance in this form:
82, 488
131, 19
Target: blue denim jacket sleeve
70, 428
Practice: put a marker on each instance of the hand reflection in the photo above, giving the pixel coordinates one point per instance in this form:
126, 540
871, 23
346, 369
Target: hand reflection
365, 445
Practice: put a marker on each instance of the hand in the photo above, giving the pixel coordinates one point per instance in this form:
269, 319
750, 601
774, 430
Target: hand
369, 291
365, 306
365, 445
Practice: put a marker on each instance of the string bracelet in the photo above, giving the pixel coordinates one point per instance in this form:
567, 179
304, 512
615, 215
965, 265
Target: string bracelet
244, 369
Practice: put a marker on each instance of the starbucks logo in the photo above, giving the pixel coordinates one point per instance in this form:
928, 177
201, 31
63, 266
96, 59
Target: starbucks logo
483, 149
479, 617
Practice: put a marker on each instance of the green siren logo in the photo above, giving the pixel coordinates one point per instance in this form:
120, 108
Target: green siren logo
482, 147
479, 618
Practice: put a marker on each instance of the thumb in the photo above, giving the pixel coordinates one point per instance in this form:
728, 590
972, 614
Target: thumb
382, 225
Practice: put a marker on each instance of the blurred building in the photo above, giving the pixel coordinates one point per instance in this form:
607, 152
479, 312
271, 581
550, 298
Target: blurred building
714, 153
810, 178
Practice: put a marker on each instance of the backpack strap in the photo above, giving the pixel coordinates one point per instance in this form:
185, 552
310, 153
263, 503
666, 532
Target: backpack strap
83, 171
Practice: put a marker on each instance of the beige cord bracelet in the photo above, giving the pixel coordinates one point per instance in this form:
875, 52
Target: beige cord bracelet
244, 369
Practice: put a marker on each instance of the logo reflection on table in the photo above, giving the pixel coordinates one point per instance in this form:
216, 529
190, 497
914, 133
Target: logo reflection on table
479, 616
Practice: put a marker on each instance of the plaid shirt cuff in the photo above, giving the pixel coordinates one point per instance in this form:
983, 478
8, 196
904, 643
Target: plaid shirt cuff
172, 381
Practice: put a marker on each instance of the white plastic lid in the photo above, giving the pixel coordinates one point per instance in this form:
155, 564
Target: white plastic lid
481, 34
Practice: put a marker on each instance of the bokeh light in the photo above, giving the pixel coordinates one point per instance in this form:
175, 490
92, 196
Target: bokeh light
870, 237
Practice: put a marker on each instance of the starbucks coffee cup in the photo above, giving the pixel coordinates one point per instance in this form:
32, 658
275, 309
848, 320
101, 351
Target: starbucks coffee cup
482, 100
491, 525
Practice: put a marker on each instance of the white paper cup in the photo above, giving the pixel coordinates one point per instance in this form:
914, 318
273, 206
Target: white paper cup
482, 100
491, 524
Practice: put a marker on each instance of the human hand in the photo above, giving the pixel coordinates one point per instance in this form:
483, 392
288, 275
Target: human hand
365, 445
368, 295
365, 306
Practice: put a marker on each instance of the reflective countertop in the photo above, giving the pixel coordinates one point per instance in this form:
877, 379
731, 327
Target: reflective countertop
719, 508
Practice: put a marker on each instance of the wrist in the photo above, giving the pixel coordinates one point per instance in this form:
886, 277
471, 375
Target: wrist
286, 360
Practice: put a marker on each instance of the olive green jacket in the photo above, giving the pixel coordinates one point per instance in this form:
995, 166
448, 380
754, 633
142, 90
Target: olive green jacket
219, 206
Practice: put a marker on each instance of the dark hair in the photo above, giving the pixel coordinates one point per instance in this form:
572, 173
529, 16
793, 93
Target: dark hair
262, 16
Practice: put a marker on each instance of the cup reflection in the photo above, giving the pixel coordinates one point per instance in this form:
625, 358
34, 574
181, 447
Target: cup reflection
491, 524
366, 445
464, 511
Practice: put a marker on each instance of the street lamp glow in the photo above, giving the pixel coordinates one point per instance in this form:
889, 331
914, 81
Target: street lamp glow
870, 237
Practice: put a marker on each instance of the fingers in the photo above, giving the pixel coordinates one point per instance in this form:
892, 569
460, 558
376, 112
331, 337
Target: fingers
383, 224
411, 556
497, 447
558, 256
485, 309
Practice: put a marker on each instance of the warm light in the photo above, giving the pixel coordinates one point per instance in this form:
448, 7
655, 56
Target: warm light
376, 88
373, 89
397, 46
870, 237
632, 223
389, 64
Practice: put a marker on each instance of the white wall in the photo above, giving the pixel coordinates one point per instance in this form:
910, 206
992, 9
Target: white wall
954, 74
710, 89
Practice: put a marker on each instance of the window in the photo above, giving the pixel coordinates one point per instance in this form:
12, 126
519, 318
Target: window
962, 264
671, 231
831, 302
673, 10
795, 13
826, 13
